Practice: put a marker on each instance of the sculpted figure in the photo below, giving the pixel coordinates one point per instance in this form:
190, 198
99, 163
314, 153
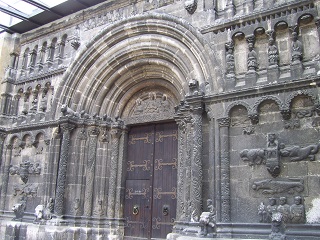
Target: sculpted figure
252, 59
68, 112
253, 156
207, 219
273, 54
269, 186
297, 211
296, 54
230, 61
262, 212
272, 207
296, 153
284, 209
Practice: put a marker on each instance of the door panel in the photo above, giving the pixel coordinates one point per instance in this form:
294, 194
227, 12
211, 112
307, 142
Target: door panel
138, 211
165, 180
151, 181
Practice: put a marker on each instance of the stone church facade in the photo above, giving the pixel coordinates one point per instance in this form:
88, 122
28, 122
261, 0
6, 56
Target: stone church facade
154, 119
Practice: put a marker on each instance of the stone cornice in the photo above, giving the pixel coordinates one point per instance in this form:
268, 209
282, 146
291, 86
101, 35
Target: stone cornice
258, 91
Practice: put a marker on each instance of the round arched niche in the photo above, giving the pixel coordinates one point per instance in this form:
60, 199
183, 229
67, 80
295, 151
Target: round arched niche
150, 104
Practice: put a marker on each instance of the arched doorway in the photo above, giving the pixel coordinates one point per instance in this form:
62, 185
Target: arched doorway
128, 72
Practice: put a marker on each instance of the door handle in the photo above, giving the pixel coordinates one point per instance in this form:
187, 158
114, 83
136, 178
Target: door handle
165, 210
135, 210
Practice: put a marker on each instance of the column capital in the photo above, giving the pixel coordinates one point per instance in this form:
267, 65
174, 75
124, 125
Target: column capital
224, 122
67, 127
93, 131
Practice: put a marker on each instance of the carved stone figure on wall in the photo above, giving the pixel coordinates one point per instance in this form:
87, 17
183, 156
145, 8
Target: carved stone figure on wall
19, 209
207, 219
277, 227
252, 59
273, 54
297, 211
262, 212
50, 205
284, 209
296, 54
191, 6
296, 153
272, 155
272, 207
230, 64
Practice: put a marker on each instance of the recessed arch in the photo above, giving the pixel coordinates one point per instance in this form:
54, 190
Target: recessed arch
163, 50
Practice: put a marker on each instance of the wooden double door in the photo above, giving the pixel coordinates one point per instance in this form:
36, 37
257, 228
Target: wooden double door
151, 181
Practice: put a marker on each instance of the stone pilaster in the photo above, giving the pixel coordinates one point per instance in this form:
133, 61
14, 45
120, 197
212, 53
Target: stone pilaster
115, 133
224, 124
66, 129
90, 171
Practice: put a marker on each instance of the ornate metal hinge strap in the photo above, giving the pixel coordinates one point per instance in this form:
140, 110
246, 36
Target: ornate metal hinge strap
158, 193
132, 166
159, 163
133, 138
131, 193
128, 223
158, 222
160, 136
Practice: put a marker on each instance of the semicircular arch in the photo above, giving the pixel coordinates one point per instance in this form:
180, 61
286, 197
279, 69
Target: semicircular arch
161, 49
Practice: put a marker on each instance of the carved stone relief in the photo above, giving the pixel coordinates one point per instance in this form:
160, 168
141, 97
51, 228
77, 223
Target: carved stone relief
294, 213
191, 6
272, 186
153, 106
270, 156
25, 169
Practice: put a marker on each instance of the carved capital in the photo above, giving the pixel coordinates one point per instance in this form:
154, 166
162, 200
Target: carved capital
251, 39
2, 136
93, 131
115, 133
286, 114
224, 122
67, 127
254, 118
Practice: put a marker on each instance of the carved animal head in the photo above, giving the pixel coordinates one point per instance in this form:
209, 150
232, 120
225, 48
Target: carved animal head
64, 108
263, 184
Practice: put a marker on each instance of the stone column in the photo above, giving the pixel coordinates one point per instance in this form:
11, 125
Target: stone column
5, 174
196, 163
66, 129
121, 178
224, 124
90, 171
41, 58
182, 128
230, 66
115, 133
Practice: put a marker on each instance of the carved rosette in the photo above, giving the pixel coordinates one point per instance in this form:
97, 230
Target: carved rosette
88, 195
115, 134
62, 171
224, 124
